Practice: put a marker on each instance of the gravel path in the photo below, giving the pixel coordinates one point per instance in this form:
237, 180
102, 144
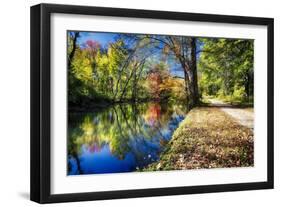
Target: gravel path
243, 116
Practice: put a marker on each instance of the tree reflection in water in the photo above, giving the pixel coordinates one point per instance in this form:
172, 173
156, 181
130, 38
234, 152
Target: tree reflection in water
120, 138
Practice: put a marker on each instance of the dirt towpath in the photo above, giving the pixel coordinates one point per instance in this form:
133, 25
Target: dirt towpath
243, 116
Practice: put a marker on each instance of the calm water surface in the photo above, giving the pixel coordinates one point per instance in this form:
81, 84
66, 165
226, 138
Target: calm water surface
120, 138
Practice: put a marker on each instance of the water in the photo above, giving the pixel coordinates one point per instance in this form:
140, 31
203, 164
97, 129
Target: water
120, 138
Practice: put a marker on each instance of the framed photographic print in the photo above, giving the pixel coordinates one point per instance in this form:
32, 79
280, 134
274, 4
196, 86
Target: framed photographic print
132, 103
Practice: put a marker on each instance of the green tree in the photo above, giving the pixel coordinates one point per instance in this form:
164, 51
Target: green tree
226, 68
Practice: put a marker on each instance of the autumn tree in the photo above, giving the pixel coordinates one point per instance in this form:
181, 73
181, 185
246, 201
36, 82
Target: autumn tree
183, 49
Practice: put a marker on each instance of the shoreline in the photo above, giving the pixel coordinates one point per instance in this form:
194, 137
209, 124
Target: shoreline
207, 138
103, 105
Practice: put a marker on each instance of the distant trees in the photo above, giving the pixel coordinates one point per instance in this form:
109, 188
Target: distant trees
226, 68
134, 68
99, 74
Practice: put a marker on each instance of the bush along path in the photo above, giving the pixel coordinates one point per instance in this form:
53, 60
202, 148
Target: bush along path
209, 137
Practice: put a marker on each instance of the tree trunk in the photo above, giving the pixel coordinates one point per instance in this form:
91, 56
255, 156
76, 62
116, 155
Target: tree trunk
186, 82
127, 81
193, 88
134, 87
190, 75
71, 55
119, 81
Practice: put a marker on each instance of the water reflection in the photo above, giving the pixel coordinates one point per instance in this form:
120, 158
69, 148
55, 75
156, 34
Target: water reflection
120, 138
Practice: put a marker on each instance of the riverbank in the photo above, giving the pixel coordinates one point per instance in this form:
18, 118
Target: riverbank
103, 104
207, 138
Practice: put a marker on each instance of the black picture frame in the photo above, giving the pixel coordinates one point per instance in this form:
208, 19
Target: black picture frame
41, 96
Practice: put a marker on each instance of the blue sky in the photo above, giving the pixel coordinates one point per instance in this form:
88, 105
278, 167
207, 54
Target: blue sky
102, 37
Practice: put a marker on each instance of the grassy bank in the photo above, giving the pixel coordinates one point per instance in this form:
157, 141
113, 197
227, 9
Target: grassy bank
207, 138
